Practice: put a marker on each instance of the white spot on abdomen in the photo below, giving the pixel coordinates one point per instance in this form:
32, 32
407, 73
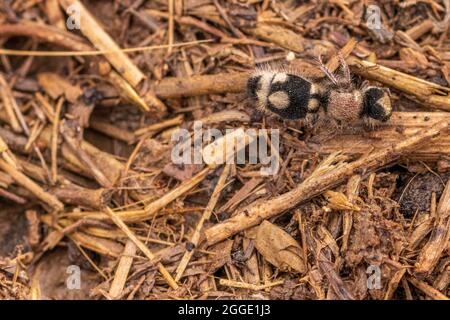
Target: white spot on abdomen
280, 77
263, 92
279, 99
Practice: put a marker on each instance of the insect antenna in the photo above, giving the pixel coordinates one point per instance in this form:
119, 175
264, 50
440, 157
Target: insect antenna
326, 71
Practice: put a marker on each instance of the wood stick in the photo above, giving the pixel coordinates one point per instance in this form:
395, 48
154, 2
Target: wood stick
141, 246
78, 196
104, 247
347, 220
346, 50
54, 146
67, 191
420, 29
393, 283
440, 235
123, 268
45, 33
111, 130
281, 36
84, 157
152, 208
171, 26
11, 196
9, 104
427, 289
178, 120
195, 239
6, 154
249, 286
200, 85
258, 212
30, 185
127, 91
54, 14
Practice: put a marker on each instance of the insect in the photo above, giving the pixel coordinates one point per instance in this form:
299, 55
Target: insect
292, 96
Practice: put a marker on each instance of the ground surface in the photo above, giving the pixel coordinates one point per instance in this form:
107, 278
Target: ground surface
92, 206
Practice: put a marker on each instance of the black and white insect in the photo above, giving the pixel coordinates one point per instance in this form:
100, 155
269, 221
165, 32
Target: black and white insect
292, 96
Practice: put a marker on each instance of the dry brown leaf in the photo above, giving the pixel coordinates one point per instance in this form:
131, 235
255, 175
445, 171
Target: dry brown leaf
339, 201
279, 248
222, 255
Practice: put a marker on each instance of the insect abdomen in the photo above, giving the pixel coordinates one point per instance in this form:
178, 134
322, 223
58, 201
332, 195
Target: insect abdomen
285, 94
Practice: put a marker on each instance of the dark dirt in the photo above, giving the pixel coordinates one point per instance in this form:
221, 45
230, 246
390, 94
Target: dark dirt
417, 190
